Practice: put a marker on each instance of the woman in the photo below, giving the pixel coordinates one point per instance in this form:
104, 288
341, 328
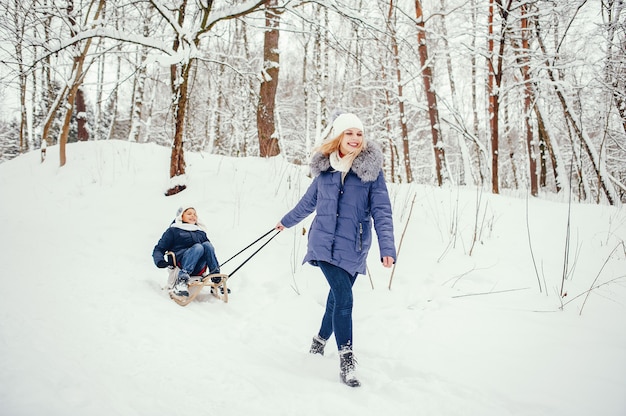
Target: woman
347, 192
186, 238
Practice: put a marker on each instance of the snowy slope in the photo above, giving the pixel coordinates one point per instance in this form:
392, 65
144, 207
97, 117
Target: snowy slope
85, 328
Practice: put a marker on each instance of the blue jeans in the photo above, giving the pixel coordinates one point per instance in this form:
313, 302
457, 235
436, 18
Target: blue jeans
338, 315
196, 257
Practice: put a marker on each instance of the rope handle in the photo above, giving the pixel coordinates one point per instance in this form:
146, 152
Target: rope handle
253, 254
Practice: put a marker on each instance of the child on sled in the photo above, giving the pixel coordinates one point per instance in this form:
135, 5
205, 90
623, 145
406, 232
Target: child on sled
186, 237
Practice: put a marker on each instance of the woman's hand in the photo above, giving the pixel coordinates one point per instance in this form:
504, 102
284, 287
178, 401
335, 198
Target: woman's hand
388, 261
279, 226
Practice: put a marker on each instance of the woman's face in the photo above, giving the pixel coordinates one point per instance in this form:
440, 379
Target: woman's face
189, 216
351, 141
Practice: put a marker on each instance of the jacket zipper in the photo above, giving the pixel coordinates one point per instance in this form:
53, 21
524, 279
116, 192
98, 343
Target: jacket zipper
360, 236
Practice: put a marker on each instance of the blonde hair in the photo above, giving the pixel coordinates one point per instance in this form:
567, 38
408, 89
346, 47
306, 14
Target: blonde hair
329, 146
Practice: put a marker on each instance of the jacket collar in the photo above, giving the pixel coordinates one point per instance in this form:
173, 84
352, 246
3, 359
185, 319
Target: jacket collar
366, 166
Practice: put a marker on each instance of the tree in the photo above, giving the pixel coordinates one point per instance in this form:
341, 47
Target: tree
465, 166
528, 100
495, 61
552, 97
580, 139
431, 97
268, 140
185, 45
20, 26
391, 17
139, 85
78, 73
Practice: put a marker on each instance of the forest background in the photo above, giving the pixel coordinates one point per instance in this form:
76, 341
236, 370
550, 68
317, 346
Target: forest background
503, 94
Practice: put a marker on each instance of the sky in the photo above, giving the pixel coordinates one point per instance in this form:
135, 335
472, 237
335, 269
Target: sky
476, 318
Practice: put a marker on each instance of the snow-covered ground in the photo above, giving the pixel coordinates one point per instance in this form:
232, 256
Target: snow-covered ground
86, 329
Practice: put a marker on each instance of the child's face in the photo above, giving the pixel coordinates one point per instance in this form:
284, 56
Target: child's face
351, 141
189, 216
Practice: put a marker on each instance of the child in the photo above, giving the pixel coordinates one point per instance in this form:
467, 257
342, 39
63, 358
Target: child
186, 238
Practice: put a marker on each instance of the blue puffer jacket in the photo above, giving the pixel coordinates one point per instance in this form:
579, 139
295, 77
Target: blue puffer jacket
177, 240
341, 232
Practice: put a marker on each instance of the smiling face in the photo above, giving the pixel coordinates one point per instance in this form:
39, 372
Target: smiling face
189, 216
351, 142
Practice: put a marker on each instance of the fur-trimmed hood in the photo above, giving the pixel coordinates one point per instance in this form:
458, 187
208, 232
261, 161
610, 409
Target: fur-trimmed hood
366, 165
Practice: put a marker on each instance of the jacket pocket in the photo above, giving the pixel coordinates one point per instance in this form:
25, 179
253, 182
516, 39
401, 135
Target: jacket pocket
360, 239
362, 236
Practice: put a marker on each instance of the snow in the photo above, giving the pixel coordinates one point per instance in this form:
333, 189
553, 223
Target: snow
85, 327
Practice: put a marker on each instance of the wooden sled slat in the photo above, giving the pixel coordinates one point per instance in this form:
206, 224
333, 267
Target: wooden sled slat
197, 283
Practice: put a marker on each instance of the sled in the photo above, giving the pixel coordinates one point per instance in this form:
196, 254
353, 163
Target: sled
215, 282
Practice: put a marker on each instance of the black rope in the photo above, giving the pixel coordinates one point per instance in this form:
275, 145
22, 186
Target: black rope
247, 247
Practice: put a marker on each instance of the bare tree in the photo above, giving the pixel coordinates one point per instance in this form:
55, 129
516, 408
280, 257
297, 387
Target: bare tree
391, 18
547, 152
465, 166
475, 132
528, 100
583, 139
78, 74
614, 13
431, 97
541, 93
268, 140
320, 58
139, 86
495, 66
202, 21
20, 28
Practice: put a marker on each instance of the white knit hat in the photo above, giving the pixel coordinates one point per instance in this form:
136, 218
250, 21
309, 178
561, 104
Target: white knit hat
179, 216
181, 210
344, 122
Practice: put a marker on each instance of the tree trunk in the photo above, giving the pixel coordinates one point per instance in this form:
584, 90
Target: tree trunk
248, 84
76, 81
177, 161
476, 118
179, 78
321, 59
137, 103
111, 108
495, 64
23, 81
528, 99
493, 101
431, 98
387, 118
266, 122
308, 145
546, 146
465, 165
402, 119
81, 116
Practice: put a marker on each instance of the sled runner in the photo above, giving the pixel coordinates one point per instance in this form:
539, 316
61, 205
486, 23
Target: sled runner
216, 282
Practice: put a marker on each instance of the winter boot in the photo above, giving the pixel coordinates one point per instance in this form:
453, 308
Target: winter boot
180, 287
347, 364
317, 347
